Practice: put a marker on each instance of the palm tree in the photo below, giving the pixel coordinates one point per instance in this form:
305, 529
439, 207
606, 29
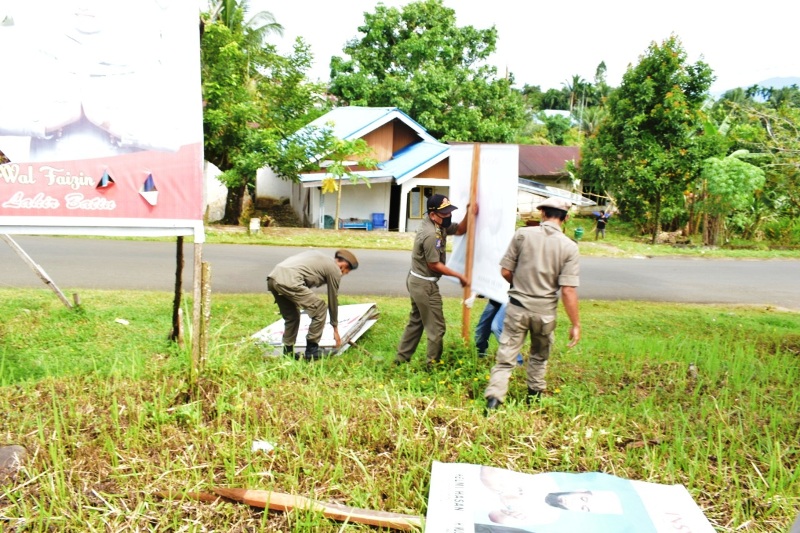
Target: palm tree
589, 119
573, 88
232, 12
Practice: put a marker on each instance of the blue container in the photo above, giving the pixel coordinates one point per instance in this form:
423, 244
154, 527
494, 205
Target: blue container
378, 220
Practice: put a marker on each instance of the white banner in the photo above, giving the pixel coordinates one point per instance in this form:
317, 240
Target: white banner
497, 217
354, 320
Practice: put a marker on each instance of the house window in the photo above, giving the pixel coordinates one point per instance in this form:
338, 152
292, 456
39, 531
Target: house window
418, 201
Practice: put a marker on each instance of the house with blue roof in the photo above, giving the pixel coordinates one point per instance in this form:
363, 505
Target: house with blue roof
412, 166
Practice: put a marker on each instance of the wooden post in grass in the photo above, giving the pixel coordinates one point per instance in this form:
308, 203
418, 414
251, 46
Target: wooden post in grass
176, 335
473, 197
205, 304
197, 338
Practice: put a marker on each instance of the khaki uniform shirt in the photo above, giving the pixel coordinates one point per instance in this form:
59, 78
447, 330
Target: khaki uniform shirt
429, 247
542, 259
311, 269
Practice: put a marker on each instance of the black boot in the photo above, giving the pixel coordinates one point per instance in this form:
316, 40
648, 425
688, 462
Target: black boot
312, 351
533, 396
288, 350
492, 403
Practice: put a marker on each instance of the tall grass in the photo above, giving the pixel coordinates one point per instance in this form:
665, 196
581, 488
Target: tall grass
104, 412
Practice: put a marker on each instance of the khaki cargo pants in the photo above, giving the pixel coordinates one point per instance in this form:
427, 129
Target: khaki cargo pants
290, 300
517, 324
426, 314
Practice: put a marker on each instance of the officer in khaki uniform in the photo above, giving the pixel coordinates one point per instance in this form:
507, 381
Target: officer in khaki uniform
291, 281
539, 261
427, 266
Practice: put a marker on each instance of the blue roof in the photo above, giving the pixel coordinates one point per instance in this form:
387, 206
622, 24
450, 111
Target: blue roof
404, 165
414, 158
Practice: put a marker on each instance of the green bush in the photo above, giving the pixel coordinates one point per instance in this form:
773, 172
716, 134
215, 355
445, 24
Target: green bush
783, 231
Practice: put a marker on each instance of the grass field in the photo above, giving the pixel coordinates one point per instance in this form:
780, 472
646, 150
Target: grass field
102, 408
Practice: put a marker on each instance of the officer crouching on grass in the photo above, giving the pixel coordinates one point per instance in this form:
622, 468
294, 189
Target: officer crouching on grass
291, 281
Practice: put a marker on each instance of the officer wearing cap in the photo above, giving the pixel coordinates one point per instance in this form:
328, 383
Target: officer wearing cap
539, 261
428, 259
291, 281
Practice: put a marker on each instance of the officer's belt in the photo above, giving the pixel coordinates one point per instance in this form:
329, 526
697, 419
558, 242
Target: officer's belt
420, 276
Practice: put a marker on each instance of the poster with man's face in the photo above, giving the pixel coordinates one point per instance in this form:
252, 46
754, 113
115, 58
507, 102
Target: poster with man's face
470, 498
100, 112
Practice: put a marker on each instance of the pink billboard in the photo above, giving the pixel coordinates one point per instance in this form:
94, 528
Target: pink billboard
101, 117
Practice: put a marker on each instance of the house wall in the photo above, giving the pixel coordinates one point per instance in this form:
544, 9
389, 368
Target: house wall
440, 170
215, 193
358, 201
269, 185
436, 186
390, 138
527, 203
380, 141
403, 136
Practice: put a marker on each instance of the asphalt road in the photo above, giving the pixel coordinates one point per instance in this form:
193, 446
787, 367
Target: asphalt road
79, 263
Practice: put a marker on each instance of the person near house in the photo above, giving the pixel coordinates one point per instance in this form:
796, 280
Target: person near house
601, 219
539, 261
291, 281
491, 322
428, 259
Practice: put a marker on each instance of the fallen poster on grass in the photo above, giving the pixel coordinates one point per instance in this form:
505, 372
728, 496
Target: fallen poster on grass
354, 320
468, 498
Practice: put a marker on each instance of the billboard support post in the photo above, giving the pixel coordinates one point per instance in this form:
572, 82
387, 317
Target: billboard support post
36, 268
473, 197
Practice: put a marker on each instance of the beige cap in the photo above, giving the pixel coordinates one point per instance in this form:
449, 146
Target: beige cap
556, 203
348, 256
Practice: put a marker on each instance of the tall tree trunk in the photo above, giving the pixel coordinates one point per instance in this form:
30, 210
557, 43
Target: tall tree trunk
712, 229
706, 221
338, 204
657, 222
233, 205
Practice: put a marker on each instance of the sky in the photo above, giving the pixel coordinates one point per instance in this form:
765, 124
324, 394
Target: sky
547, 43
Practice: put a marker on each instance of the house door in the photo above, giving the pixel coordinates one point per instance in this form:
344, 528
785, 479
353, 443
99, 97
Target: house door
394, 208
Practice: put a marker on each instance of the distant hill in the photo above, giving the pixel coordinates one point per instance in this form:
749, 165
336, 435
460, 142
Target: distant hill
777, 83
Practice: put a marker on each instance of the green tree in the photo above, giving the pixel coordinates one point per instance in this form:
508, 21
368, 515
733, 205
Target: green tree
231, 13
339, 162
651, 145
532, 96
589, 119
601, 89
558, 128
254, 98
727, 189
576, 88
772, 135
555, 99
418, 60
